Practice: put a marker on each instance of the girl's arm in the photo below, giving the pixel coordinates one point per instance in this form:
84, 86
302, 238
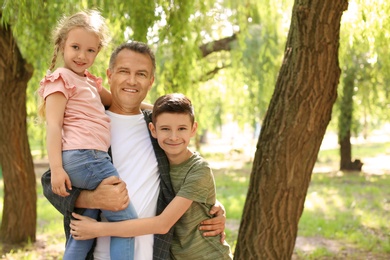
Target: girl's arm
55, 108
147, 106
105, 97
87, 228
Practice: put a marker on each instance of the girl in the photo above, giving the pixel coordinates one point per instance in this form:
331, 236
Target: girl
78, 134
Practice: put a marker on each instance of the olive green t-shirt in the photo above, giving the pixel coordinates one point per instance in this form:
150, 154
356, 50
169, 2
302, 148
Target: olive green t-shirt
194, 180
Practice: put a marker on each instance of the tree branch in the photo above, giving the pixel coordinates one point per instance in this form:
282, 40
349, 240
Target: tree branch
219, 45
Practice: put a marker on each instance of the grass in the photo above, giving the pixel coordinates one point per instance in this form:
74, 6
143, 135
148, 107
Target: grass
346, 216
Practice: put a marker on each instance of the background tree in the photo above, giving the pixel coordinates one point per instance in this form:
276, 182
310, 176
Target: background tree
226, 56
364, 88
19, 224
292, 132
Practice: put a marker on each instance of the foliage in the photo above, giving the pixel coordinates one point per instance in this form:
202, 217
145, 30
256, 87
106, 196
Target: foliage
175, 30
363, 55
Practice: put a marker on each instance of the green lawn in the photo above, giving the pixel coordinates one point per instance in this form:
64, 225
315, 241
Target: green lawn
346, 216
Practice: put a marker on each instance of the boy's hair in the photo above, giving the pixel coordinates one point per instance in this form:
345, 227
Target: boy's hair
91, 20
138, 47
175, 103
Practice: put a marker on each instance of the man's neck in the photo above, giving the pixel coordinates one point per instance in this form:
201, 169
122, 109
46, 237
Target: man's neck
125, 111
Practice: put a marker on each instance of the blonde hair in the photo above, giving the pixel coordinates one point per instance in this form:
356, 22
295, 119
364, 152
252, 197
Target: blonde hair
90, 20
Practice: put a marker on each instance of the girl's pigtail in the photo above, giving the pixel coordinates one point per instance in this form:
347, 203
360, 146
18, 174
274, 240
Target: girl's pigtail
54, 58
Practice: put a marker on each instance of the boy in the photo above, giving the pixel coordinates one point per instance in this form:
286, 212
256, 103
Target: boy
192, 180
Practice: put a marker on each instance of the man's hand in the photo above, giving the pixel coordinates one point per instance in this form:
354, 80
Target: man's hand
111, 194
215, 226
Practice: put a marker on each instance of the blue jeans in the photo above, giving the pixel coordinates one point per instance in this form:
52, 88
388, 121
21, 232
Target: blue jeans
86, 169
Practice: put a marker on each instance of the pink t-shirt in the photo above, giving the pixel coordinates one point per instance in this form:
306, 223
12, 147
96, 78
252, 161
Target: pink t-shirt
86, 126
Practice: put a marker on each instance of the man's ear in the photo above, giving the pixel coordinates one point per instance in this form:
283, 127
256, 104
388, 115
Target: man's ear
152, 130
108, 73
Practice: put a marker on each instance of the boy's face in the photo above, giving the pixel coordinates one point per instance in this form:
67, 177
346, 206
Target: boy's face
173, 132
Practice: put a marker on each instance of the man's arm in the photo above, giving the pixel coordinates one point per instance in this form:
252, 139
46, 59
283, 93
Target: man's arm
111, 194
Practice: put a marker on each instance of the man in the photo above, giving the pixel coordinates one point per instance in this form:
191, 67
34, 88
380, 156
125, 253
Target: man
137, 156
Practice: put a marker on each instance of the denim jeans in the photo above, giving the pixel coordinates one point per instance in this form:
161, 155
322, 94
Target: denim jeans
86, 169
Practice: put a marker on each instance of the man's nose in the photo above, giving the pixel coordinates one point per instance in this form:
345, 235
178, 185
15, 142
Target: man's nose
131, 79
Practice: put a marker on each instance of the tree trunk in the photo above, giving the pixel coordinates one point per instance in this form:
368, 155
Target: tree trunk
345, 123
292, 132
19, 212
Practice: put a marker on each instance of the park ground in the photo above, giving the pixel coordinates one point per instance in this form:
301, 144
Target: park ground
237, 153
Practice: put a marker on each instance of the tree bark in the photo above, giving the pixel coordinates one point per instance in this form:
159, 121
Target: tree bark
19, 212
292, 132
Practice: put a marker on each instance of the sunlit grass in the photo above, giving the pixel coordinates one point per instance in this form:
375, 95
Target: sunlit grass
350, 209
50, 232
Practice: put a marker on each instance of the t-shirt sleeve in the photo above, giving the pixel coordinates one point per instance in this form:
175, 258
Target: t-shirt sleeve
56, 82
198, 185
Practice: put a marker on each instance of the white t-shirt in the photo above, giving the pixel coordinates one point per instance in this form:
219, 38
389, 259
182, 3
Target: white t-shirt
134, 158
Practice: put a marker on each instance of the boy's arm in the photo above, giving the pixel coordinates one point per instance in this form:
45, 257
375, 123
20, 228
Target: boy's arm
111, 195
87, 228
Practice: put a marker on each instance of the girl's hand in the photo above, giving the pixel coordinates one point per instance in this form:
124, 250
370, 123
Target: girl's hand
60, 181
82, 227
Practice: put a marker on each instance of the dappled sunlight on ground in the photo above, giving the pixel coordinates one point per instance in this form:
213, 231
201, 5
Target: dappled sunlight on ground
237, 152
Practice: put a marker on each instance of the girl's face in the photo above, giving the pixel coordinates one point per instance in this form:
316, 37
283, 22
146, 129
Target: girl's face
80, 50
